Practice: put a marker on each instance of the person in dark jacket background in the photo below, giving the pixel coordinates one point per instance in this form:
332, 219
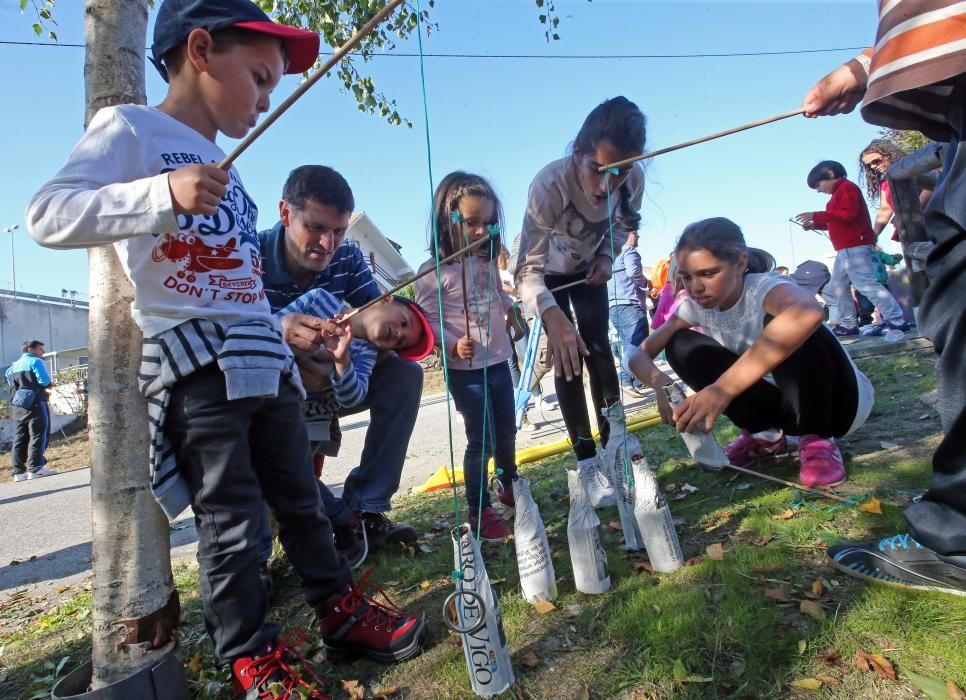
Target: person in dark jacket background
28, 379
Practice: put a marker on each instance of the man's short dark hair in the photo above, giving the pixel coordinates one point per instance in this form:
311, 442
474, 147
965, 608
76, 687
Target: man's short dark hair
30, 345
826, 170
321, 184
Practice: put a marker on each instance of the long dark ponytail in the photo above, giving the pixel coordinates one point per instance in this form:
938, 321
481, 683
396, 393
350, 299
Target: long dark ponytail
724, 240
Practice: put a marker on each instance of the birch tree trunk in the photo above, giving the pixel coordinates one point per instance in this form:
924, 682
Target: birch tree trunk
136, 605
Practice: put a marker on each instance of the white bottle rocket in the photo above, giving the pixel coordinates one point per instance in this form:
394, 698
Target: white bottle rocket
703, 447
586, 554
654, 520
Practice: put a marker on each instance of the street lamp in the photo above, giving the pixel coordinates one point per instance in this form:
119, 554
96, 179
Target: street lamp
13, 260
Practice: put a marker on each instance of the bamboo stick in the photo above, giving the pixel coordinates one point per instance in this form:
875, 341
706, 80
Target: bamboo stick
336, 57
661, 151
821, 491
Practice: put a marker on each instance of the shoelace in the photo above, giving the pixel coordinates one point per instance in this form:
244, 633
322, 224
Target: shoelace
377, 521
379, 613
898, 542
262, 668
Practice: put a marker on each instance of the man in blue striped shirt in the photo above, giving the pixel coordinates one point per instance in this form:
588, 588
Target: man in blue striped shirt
305, 251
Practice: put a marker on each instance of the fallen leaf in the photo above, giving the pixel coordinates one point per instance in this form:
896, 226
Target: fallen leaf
426, 549
807, 684
888, 445
643, 566
355, 691
530, 660
779, 594
381, 693
954, 692
679, 672
688, 488
817, 587
195, 664
544, 606
864, 661
829, 681
693, 561
812, 609
763, 540
573, 610
715, 552
802, 646
833, 659
923, 416
933, 687
62, 589
425, 584
787, 515
872, 506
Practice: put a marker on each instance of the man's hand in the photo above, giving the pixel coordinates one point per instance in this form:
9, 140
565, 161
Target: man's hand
599, 271
837, 93
697, 414
315, 373
303, 333
464, 348
197, 189
564, 344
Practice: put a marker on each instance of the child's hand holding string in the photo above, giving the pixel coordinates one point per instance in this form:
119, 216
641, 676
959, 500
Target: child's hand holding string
697, 414
337, 338
806, 219
196, 190
600, 271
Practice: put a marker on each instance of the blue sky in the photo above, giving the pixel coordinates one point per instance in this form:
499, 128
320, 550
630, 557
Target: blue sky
503, 118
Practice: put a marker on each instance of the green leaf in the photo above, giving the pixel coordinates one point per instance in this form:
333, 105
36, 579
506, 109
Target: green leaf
935, 689
38, 30
23, 5
679, 672
539, 3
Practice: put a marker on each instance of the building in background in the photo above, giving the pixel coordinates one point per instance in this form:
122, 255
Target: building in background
61, 323
387, 265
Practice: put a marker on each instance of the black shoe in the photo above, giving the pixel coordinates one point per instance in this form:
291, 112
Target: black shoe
266, 577
351, 542
902, 562
381, 531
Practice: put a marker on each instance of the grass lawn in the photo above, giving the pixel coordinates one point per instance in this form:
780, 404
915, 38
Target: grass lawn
734, 627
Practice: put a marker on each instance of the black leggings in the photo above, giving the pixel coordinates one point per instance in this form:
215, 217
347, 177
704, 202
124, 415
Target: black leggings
817, 390
591, 309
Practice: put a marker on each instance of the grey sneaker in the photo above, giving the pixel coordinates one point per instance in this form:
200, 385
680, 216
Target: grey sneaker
42, 472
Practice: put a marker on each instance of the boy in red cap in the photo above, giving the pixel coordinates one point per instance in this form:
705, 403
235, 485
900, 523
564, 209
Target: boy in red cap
222, 388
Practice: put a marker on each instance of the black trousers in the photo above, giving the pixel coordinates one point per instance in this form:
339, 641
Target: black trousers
939, 520
233, 454
817, 390
31, 437
591, 310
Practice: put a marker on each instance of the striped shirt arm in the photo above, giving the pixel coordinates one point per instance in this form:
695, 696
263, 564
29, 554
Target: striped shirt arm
315, 302
352, 387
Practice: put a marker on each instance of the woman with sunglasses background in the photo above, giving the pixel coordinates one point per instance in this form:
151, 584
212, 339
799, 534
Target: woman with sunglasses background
566, 238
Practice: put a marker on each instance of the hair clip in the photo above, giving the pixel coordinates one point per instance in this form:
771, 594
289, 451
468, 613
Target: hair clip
456, 217
493, 229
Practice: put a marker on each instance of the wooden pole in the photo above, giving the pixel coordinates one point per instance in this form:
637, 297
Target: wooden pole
336, 57
448, 258
576, 282
821, 491
693, 142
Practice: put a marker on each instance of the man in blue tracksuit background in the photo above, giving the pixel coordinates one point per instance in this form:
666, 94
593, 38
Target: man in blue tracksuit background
33, 420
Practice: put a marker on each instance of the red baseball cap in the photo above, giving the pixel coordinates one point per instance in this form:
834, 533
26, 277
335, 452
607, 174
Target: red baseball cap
177, 18
427, 341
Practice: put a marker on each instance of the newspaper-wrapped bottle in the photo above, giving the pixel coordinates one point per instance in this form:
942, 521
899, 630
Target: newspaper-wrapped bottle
586, 554
654, 520
621, 448
703, 447
533, 551
487, 658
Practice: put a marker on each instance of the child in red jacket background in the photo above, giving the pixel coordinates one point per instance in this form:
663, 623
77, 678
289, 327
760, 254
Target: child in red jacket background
849, 227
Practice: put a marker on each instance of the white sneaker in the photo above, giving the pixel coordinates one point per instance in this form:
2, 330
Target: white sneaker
598, 488
547, 405
42, 472
529, 427
20, 477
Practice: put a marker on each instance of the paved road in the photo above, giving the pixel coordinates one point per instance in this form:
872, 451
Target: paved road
45, 525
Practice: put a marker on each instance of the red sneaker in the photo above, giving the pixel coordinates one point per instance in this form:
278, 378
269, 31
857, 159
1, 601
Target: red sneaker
490, 527
281, 672
747, 449
504, 494
353, 623
821, 461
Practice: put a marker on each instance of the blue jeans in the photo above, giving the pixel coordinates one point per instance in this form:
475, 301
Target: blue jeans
395, 389
631, 324
857, 264
467, 388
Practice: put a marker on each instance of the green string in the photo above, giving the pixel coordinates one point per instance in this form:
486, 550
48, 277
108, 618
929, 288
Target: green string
799, 499
458, 574
628, 476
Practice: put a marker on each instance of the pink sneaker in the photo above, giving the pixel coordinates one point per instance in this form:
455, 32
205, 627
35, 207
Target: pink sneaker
747, 449
821, 461
491, 528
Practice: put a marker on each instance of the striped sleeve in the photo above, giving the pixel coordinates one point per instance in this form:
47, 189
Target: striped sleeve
920, 48
352, 387
315, 302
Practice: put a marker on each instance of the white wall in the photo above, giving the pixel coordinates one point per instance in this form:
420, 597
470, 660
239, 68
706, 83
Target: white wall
58, 326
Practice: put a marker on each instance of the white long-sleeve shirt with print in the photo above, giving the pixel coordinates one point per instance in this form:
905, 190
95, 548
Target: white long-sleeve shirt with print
487, 304
114, 189
563, 231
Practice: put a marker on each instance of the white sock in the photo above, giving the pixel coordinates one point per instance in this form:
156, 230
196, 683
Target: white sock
772, 435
